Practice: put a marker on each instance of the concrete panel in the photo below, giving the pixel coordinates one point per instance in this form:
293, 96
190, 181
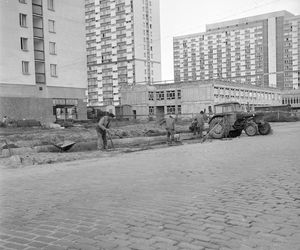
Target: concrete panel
27, 108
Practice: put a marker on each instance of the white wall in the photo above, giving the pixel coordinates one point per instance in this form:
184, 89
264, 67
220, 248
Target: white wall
156, 40
11, 55
69, 38
71, 63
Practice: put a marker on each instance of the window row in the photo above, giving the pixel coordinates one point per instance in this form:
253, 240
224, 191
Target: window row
170, 109
160, 95
23, 23
246, 95
50, 3
25, 69
291, 100
24, 46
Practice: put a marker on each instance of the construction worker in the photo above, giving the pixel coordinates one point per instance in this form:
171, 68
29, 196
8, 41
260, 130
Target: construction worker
170, 127
102, 129
200, 119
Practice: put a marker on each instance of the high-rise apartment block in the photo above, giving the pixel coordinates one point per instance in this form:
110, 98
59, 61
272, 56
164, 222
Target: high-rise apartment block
261, 50
42, 59
123, 47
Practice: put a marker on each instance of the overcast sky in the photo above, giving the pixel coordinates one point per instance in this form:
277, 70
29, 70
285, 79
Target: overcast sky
181, 17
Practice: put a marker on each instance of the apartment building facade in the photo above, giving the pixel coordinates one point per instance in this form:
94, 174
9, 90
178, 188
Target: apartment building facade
188, 98
42, 59
259, 50
123, 47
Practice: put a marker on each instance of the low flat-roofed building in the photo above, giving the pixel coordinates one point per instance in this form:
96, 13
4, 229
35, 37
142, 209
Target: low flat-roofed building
188, 98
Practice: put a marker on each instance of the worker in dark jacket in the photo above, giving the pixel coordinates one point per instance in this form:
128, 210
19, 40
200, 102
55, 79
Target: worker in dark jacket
200, 119
170, 127
102, 129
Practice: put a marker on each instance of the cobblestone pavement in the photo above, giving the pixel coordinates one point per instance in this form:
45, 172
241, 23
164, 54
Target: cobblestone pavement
234, 194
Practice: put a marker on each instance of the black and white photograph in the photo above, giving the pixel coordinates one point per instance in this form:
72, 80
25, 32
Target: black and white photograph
149, 125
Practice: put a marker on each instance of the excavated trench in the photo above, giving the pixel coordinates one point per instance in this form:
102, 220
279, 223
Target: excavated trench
13, 156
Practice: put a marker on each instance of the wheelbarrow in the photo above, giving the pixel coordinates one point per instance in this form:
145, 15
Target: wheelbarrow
64, 146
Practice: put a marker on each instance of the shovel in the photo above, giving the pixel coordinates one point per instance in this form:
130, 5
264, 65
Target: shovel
111, 141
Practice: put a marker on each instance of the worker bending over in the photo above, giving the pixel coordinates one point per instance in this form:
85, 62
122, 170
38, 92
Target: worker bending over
102, 129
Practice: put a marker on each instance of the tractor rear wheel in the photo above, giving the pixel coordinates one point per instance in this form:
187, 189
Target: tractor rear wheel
251, 128
217, 128
264, 128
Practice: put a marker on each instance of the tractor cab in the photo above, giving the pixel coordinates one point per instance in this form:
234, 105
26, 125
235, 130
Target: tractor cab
228, 107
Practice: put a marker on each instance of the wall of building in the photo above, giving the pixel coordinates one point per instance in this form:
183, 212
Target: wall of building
291, 97
123, 44
20, 95
70, 41
192, 97
256, 50
18, 108
11, 55
196, 97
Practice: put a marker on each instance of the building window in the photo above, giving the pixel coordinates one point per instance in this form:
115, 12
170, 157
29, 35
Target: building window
160, 95
50, 4
25, 67
51, 26
178, 94
24, 43
53, 71
150, 96
22, 20
179, 109
52, 48
171, 109
151, 110
22, 1
170, 94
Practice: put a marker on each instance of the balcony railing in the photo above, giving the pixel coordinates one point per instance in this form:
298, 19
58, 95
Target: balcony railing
38, 32
39, 55
37, 10
40, 78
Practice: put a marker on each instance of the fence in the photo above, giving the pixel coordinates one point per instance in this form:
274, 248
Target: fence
281, 116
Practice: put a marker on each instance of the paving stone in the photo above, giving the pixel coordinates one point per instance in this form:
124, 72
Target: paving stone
18, 240
228, 202
14, 246
189, 246
53, 247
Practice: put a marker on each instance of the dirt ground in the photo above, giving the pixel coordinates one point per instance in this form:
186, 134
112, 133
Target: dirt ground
29, 138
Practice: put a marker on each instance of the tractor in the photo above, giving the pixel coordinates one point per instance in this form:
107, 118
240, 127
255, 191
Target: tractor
230, 120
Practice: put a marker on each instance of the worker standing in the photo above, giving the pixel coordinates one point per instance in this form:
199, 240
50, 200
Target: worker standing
102, 129
170, 127
200, 124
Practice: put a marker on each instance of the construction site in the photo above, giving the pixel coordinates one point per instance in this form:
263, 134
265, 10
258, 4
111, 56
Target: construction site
25, 146
36, 145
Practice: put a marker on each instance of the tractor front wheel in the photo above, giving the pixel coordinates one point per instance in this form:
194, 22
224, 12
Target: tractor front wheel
251, 128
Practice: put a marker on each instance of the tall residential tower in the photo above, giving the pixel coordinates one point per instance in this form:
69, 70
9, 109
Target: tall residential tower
42, 59
123, 47
261, 50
